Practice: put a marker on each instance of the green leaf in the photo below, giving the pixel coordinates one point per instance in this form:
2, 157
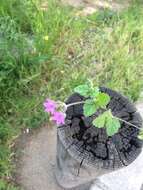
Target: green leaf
94, 92
89, 107
112, 126
82, 90
100, 121
140, 136
103, 99
107, 120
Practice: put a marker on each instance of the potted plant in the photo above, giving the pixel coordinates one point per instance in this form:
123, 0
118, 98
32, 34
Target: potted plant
99, 131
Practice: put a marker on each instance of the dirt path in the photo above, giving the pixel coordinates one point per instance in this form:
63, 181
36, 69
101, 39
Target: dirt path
90, 6
37, 160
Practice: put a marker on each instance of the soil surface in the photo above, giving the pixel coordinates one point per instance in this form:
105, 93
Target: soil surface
90, 6
37, 152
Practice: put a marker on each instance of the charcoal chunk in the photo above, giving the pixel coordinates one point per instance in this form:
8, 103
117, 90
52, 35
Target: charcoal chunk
87, 121
74, 98
101, 150
78, 110
69, 112
117, 139
130, 107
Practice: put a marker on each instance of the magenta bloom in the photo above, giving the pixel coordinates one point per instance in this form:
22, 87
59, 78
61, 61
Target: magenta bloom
50, 106
59, 118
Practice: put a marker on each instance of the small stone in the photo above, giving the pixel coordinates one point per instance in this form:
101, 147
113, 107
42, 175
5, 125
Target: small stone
88, 10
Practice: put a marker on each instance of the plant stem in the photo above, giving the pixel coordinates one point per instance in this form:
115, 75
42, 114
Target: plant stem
82, 102
75, 103
127, 123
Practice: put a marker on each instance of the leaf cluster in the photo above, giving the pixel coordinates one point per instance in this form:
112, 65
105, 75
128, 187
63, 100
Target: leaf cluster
98, 100
108, 121
95, 98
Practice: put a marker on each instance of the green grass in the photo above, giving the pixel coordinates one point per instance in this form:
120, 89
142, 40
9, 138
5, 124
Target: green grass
105, 47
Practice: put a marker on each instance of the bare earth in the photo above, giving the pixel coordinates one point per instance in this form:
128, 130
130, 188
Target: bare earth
35, 168
91, 6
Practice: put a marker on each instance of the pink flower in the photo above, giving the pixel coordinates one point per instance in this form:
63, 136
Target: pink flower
59, 118
50, 106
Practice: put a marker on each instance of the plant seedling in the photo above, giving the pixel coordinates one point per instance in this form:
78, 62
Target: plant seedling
98, 100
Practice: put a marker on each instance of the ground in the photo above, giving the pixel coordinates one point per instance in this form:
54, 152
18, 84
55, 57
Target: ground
90, 6
35, 170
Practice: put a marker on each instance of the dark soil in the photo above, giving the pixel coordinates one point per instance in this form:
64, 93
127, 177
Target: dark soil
91, 145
